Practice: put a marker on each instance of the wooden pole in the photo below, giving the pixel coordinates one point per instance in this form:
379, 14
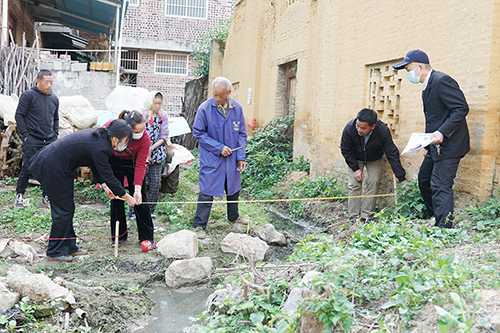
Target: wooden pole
117, 231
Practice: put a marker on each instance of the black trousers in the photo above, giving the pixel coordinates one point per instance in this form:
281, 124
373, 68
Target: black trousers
62, 209
203, 209
30, 147
122, 168
435, 180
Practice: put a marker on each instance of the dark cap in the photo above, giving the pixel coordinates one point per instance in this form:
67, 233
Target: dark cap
413, 56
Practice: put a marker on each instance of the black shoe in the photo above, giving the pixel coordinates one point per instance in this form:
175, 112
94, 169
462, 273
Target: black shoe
66, 258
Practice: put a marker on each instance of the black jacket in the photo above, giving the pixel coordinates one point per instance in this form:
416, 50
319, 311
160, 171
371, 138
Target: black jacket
445, 110
353, 147
54, 165
37, 114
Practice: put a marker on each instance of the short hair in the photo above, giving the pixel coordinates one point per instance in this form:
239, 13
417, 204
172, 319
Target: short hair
116, 129
158, 95
132, 118
42, 73
367, 115
220, 82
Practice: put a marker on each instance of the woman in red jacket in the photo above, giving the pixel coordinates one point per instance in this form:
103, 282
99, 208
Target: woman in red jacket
131, 163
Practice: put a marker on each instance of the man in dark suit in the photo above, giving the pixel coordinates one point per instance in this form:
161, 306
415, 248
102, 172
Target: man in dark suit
445, 110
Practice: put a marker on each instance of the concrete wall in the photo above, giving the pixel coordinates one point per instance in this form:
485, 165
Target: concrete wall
339, 48
95, 86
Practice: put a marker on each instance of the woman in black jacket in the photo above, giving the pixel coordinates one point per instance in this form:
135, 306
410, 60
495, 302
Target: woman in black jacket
54, 166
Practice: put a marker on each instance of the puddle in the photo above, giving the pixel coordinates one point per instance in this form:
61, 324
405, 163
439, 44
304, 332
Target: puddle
172, 309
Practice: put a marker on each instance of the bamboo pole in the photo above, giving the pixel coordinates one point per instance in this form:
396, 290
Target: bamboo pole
117, 231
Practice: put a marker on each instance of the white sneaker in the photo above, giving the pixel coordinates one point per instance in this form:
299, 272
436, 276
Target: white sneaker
46, 201
20, 202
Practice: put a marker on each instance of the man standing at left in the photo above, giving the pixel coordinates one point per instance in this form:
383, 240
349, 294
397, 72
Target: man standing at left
37, 118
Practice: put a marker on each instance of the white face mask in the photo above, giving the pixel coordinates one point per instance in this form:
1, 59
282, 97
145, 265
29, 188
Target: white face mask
122, 148
137, 136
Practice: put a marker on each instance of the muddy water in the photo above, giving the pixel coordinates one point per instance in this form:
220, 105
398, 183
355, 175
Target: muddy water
173, 309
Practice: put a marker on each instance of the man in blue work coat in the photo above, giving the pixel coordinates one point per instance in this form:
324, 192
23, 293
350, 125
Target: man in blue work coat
220, 130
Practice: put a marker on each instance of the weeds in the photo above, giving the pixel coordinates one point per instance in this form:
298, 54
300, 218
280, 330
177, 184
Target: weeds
313, 187
270, 157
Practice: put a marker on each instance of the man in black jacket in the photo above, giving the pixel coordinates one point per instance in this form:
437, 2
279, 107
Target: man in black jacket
37, 119
363, 144
445, 110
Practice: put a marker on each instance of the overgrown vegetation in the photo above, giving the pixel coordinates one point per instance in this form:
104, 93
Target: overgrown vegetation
384, 274
201, 51
270, 157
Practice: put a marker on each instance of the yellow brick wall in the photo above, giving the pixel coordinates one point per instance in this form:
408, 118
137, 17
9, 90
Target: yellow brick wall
333, 42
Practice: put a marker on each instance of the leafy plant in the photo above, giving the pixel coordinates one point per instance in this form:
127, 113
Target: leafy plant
201, 51
270, 157
29, 219
486, 216
460, 316
86, 191
410, 202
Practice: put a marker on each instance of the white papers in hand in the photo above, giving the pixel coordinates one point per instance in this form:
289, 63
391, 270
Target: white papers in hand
417, 141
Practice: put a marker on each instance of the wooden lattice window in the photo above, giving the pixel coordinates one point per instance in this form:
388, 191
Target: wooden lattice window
384, 87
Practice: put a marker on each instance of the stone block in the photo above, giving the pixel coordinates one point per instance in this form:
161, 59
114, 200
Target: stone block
46, 65
79, 67
188, 272
57, 66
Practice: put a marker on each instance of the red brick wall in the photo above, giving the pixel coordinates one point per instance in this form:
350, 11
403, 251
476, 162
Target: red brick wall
148, 21
171, 85
24, 21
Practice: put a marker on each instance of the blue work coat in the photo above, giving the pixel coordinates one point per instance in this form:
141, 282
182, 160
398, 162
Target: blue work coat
214, 131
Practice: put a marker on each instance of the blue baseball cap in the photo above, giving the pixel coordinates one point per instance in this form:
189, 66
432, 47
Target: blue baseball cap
413, 56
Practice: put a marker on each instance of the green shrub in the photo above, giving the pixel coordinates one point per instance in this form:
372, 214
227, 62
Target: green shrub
29, 219
201, 51
270, 157
410, 203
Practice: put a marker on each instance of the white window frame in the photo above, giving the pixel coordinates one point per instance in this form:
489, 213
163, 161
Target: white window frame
171, 55
133, 2
184, 4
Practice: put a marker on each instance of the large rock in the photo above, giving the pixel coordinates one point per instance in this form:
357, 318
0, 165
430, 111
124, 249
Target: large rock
221, 300
268, 234
37, 287
253, 248
7, 298
188, 272
179, 245
295, 298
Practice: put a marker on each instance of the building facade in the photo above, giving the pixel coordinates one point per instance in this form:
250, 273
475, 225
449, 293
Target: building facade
19, 21
157, 40
326, 60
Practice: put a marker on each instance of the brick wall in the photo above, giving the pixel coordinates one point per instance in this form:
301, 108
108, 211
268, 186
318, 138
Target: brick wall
171, 85
336, 44
24, 21
148, 21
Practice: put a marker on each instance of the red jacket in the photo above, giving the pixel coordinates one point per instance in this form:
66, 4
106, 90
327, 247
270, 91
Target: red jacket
140, 150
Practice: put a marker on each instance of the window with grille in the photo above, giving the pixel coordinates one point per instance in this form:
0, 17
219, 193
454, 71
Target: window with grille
384, 91
175, 64
133, 2
129, 60
186, 8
